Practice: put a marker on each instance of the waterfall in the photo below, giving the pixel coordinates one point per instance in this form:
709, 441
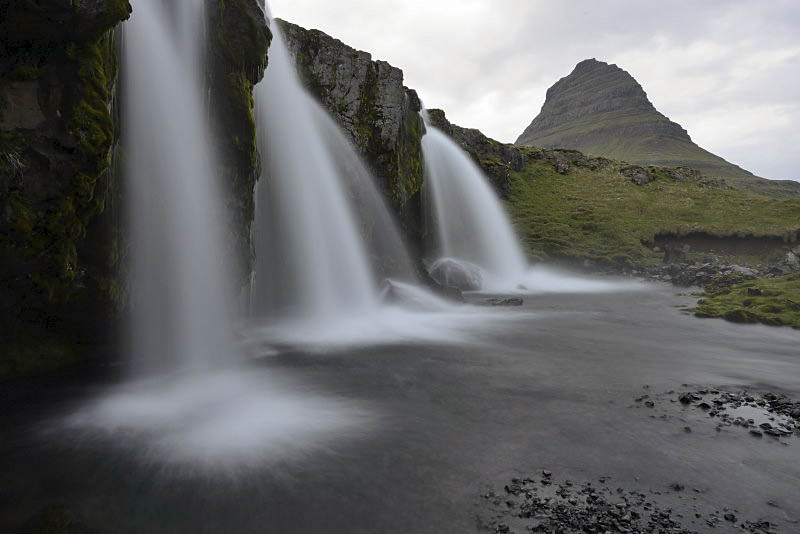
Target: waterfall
322, 233
471, 228
179, 289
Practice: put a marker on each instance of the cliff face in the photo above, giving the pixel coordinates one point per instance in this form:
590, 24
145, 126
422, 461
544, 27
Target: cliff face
601, 109
368, 99
58, 254
238, 41
62, 253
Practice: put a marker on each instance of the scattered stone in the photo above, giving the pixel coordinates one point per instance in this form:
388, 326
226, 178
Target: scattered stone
511, 301
778, 415
546, 505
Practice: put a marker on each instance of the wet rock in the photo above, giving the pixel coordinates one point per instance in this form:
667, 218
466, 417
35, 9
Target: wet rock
460, 274
511, 301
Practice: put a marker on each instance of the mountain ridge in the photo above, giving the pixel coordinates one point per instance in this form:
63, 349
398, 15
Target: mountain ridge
600, 109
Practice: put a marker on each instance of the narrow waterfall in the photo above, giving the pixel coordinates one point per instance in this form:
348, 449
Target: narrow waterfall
472, 229
179, 288
318, 212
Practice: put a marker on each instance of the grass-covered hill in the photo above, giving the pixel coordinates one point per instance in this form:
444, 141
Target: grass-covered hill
602, 110
568, 206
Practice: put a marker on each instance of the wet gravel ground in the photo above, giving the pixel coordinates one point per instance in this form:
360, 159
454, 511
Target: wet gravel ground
762, 414
547, 504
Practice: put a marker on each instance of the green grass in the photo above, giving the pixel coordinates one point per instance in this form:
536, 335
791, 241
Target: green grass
772, 301
601, 215
633, 136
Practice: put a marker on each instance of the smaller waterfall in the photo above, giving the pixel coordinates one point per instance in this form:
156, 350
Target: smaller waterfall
322, 233
471, 226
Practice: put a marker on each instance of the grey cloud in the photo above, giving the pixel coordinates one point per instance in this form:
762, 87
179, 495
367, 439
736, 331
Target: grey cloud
713, 66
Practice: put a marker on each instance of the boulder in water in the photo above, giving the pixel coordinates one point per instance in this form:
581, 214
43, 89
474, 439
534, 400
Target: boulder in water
460, 274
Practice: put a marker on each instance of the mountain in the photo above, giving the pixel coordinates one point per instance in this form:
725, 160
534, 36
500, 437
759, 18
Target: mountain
601, 109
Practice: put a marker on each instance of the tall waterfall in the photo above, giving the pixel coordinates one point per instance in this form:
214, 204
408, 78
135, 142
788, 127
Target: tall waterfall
471, 225
318, 212
178, 281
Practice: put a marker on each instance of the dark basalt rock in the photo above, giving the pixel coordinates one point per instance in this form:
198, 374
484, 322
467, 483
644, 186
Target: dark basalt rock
770, 414
59, 238
26, 22
378, 113
239, 39
510, 301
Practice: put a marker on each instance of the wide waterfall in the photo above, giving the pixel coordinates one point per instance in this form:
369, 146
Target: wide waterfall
471, 228
178, 281
318, 213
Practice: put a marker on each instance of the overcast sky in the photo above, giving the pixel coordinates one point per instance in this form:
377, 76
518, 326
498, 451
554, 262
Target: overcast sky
726, 70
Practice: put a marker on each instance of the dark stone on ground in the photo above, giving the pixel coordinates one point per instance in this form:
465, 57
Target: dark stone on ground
549, 505
511, 301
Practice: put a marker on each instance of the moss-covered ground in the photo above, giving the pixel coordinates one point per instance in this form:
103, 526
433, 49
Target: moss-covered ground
772, 301
599, 214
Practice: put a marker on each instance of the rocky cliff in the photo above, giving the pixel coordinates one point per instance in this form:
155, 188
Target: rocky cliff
58, 252
238, 41
61, 245
601, 109
380, 115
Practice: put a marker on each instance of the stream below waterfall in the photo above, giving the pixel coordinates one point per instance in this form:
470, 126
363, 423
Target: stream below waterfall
410, 434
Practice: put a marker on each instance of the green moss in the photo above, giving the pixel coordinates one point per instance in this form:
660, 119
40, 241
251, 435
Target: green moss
771, 301
35, 356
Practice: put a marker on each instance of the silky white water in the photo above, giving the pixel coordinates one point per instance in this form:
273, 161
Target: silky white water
470, 223
179, 282
205, 410
317, 210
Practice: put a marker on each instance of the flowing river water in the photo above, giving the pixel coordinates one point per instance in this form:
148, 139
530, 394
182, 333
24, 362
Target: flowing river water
417, 431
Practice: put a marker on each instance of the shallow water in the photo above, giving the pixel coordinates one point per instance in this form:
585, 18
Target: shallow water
415, 431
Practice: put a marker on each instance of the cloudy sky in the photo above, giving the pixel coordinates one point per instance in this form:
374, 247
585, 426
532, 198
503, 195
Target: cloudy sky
727, 70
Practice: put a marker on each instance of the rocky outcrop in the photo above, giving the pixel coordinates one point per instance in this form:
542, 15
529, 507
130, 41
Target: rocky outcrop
499, 160
238, 41
601, 109
58, 237
380, 115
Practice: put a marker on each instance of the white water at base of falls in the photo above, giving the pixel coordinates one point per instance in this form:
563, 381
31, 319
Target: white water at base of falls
311, 263
324, 237
180, 316
470, 223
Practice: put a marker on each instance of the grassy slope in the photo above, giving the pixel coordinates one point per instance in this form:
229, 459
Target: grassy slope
601, 215
617, 134
773, 301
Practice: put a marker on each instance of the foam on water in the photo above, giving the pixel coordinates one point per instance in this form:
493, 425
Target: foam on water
221, 421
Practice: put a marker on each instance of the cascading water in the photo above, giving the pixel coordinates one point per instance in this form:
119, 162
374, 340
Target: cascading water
471, 225
316, 207
179, 287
